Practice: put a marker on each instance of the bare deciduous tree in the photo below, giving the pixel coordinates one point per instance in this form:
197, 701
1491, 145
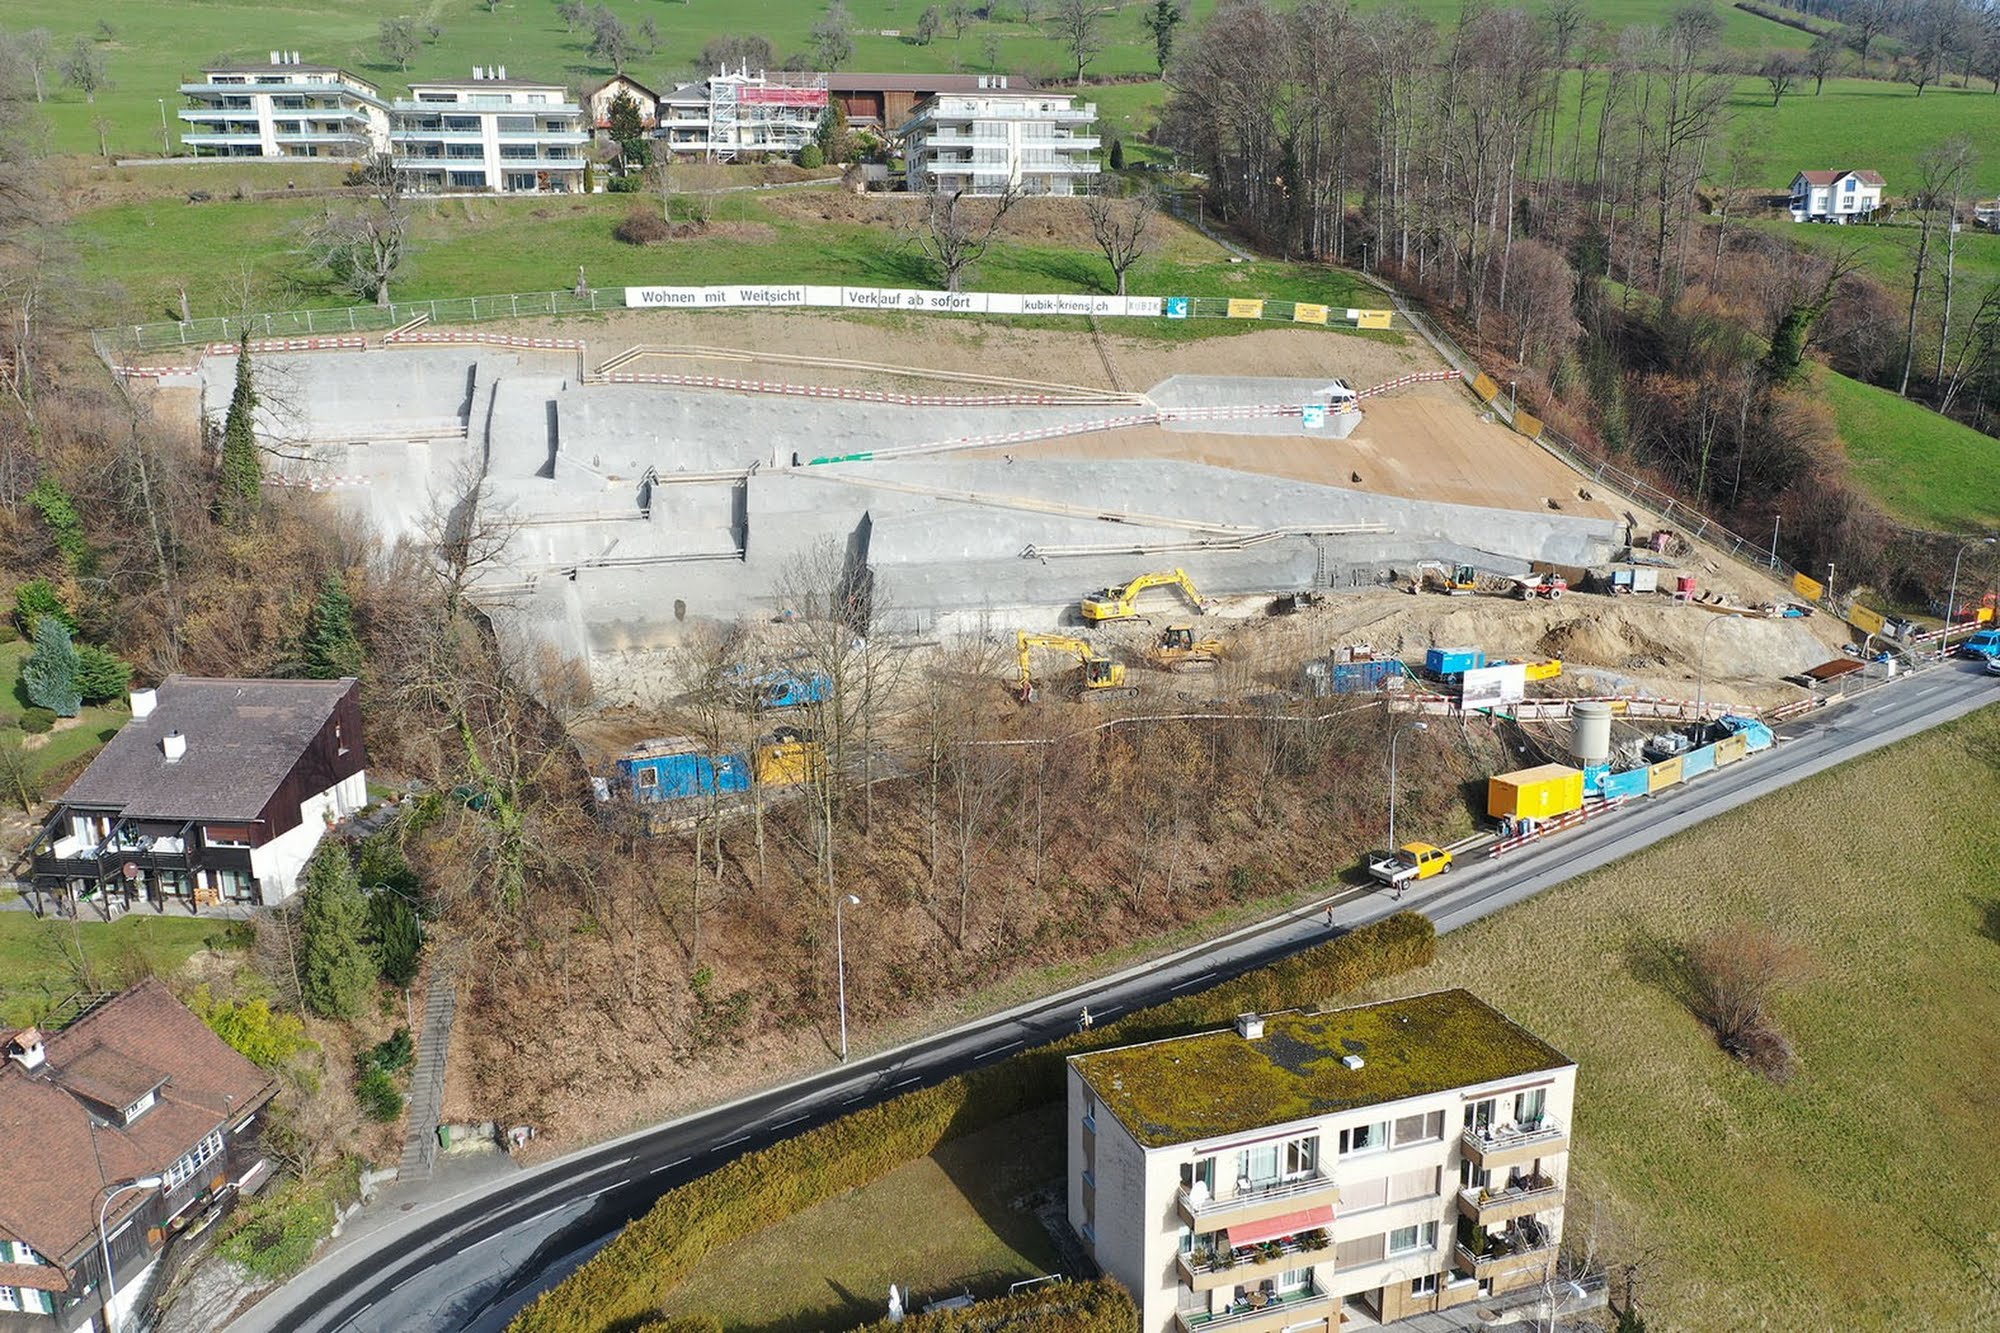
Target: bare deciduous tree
1123, 231
363, 248
957, 229
1733, 974
84, 70
1077, 26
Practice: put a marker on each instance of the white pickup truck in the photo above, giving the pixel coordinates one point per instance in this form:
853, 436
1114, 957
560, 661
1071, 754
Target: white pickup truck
1408, 864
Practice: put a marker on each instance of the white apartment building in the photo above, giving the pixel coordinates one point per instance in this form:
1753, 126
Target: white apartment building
282, 109
489, 133
1401, 1157
1836, 196
986, 142
730, 114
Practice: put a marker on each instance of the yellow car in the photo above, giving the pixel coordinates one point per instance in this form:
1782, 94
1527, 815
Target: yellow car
1409, 863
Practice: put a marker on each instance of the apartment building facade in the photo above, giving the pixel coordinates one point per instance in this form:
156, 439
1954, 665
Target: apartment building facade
1407, 1157
731, 114
283, 109
489, 133
994, 140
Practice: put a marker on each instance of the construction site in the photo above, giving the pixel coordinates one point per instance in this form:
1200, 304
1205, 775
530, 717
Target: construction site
669, 469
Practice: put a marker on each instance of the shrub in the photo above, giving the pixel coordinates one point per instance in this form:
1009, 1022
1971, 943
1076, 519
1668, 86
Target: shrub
656, 1253
275, 1236
642, 226
623, 185
101, 675
38, 721
37, 598
379, 1098
52, 502
1118, 155
393, 1055
1732, 974
396, 936
1102, 1306
251, 1028
810, 157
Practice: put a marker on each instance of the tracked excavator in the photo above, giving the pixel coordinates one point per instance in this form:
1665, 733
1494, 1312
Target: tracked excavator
1179, 650
1096, 677
1109, 604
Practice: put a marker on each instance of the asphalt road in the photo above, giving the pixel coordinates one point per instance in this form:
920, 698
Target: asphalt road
466, 1262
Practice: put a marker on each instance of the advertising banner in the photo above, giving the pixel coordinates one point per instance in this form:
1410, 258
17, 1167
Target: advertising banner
1373, 319
1304, 313
1810, 589
750, 296
1239, 308
1865, 620
1485, 389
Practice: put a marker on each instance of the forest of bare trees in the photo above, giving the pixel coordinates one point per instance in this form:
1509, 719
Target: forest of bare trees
1571, 196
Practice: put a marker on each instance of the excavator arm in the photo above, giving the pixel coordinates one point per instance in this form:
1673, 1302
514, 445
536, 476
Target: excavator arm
1093, 672
1121, 603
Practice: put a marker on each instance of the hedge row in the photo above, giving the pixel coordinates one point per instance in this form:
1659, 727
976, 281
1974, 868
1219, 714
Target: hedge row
629, 1278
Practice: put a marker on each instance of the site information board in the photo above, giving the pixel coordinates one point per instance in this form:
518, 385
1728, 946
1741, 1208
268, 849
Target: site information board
780, 295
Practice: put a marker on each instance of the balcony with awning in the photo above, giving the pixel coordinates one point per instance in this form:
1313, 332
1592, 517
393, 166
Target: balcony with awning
1248, 1251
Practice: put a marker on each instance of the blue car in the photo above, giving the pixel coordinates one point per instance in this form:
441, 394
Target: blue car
1985, 644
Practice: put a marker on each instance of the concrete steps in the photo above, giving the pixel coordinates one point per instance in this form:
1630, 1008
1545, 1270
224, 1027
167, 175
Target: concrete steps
420, 1148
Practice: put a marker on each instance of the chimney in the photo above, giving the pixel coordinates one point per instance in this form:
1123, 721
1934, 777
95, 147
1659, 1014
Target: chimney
173, 745
295, 58
1249, 1026
1352, 1062
477, 73
143, 703
503, 72
274, 57
24, 1048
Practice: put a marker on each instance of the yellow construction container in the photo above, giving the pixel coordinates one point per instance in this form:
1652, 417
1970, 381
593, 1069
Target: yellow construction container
788, 758
1731, 748
1535, 793
1663, 774
1548, 670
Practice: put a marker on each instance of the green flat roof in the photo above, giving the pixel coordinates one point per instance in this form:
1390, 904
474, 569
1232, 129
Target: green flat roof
1215, 1083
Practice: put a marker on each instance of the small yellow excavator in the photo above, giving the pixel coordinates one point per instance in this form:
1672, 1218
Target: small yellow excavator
1455, 581
1096, 677
1108, 604
1179, 650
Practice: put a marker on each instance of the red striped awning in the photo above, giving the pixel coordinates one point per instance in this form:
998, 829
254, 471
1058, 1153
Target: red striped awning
1285, 1224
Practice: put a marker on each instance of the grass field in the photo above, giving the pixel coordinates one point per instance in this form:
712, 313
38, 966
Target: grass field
953, 1220
58, 749
154, 47
1888, 253
35, 971
139, 254
1925, 469
1859, 123
1860, 1194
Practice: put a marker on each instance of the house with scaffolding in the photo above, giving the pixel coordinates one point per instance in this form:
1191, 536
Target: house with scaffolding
732, 114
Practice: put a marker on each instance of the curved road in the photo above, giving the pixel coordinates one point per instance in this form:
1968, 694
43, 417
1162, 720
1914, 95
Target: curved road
470, 1261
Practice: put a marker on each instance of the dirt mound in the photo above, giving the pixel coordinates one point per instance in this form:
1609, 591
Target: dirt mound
1597, 639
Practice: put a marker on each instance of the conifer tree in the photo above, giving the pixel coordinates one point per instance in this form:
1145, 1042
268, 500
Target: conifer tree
242, 471
49, 675
332, 649
337, 966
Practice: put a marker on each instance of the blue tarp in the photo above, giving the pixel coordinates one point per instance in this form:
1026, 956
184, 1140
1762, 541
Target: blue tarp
1757, 735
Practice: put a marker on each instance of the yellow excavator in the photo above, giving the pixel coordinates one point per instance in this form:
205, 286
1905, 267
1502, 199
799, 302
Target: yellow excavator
1096, 677
1456, 581
1179, 650
1122, 603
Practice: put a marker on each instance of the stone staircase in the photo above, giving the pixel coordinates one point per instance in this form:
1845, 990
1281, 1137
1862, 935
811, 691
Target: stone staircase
420, 1149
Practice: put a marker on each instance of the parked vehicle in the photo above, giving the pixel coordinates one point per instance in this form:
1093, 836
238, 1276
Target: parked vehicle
1408, 864
1993, 666
1986, 643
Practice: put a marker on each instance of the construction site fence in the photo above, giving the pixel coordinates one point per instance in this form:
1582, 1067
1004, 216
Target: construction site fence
113, 342
1601, 471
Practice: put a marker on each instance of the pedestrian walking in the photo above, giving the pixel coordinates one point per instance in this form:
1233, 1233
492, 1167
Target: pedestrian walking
1329, 917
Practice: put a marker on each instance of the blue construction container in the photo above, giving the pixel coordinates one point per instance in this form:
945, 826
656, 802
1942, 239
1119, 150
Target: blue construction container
1593, 778
1362, 677
674, 768
1453, 661
1697, 761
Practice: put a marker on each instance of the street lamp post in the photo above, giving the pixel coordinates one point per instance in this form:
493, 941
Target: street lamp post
840, 963
1395, 736
111, 1192
165, 149
1951, 597
1701, 664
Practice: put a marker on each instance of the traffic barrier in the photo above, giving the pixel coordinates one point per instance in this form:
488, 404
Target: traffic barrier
836, 391
1405, 381
291, 345
322, 483
458, 337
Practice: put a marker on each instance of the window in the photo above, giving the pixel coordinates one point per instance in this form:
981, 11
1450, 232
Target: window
1090, 1127
1528, 1106
1364, 1138
1301, 1157
196, 1158
1850, 185
10, 1299
1258, 1165
1421, 1183
140, 1107
1295, 1279
1404, 1239
1479, 1115
1426, 1285
1419, 1128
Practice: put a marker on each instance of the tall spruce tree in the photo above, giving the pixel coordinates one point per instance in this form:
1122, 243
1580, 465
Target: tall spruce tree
336, 965
332, 649
49, 676
242, 472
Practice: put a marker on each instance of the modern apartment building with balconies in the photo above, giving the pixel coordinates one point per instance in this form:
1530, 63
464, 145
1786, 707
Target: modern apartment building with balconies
282, 109
994, 140
1405, 1157
489, 133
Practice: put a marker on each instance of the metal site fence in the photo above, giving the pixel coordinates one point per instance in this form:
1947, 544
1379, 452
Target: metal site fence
1600, 470
115, 341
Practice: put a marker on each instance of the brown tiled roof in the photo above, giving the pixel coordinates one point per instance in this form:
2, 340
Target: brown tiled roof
923, 83
1829, 177
243, 737
61, 1157
108, 1078
40, 1277
598, 87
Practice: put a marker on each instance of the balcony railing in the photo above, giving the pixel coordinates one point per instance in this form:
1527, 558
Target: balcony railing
1279, 1310
1204, 1271
1202, 1212
1484, 1142
1483, 1253
1524, 1197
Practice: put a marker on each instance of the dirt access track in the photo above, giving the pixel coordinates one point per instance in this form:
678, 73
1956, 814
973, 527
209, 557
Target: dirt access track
1424, 442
